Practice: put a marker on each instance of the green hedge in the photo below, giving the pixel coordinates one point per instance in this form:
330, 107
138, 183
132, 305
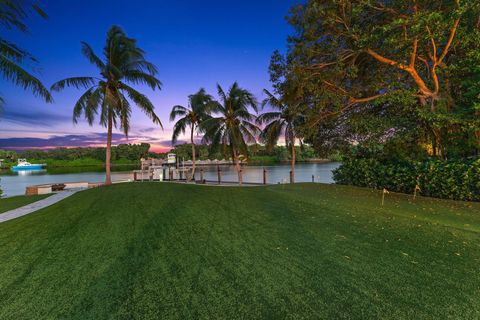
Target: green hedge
458, 180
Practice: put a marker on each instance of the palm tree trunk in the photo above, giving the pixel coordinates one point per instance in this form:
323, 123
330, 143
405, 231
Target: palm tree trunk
193, 152
293, 159
237, 166
108, 153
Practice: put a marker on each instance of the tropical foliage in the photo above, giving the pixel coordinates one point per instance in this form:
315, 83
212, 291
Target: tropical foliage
350, 59
455, 179
233, 127
110, 94
198, 111
13, 59
285, 118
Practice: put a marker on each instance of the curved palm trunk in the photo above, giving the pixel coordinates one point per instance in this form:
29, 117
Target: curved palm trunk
108, 153
193, 152
293, 159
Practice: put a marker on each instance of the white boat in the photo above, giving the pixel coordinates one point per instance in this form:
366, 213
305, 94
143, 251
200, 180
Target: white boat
23, 164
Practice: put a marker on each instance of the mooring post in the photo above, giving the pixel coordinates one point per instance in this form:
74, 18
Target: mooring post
240, 177
291, 177
170, 174
219, 175
313, 178
201, 175
134, 176
264, 176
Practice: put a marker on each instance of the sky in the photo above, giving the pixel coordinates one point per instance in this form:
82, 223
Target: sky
194, 44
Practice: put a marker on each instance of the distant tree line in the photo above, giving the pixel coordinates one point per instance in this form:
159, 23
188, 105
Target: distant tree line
133, 152
256, 153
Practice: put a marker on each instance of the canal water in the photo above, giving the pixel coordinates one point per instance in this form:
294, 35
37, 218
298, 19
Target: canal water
14, 183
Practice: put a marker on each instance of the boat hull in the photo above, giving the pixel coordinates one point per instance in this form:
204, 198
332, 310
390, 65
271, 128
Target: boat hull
30, 167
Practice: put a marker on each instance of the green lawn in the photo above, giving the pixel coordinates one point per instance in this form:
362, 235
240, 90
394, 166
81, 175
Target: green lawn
165, 251
7, 204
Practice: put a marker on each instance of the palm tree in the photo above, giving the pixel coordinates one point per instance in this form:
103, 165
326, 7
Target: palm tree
12, 14
234, 126
124, 63
200, 104
285, 119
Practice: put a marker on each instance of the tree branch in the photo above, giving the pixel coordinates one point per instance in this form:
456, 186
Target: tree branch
412, 71
414, 53
386, 60
352, 100
450, 40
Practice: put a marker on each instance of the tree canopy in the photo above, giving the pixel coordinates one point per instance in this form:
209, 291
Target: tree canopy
352, 57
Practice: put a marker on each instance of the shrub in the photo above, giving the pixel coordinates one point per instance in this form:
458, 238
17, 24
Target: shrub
458, 180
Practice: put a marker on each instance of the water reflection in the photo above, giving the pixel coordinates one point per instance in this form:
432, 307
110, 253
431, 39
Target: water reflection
29, 172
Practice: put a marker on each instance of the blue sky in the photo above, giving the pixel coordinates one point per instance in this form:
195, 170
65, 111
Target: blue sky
194, 44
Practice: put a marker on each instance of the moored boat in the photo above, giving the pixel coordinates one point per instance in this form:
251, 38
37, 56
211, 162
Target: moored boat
23, 164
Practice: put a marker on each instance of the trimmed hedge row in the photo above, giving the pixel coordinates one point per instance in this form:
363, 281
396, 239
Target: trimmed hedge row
458, 180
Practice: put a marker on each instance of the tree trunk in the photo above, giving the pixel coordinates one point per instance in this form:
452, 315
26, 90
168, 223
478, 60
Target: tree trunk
108, 153
437, 143
293, 159
237, 166
193, 152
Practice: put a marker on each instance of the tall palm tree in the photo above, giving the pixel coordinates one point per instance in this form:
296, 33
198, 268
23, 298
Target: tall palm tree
12, 16
234, 126
284, 119
124, 63
200, 105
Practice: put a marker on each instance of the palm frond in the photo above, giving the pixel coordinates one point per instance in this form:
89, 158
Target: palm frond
142, 65
13, 12
76, 82
140, 77
13, 72
179, 128
142, 102
178, 111
91, 56
271, 101
81, 105
13, 52
268, 116
271, 133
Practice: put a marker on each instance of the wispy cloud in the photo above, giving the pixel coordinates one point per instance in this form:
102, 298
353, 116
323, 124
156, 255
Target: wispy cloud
37, 118
60, 141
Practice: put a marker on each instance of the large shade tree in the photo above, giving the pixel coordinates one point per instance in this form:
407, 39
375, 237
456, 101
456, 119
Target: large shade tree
110, 95
13, 59
233, 126
200, 105
345, 54
285, 118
